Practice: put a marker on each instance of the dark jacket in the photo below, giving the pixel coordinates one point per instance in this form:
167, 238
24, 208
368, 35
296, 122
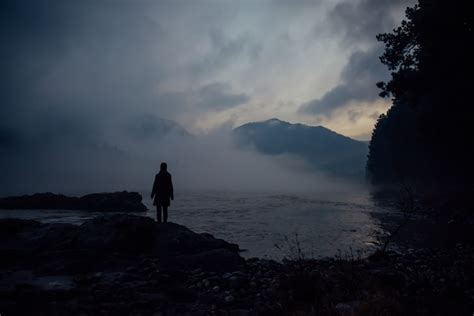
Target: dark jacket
162, 189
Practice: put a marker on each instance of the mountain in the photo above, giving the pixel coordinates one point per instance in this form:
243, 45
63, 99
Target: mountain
153, 127
320, 147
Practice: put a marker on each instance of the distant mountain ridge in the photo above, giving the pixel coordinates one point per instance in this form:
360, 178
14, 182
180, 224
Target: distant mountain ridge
322, 148
150, 126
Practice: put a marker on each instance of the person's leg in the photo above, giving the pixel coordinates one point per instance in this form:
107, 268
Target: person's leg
158, 213
165, 214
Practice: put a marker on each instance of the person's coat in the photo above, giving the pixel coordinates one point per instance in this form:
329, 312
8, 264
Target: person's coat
162, 189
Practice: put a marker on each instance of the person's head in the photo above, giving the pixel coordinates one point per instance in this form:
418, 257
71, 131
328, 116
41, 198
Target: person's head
163, 166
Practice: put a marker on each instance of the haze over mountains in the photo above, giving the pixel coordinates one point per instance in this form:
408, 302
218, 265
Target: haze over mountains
270, 155
153, 127
321, 148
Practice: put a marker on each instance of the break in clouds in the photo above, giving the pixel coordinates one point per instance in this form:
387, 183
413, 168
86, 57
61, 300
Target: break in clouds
83, 81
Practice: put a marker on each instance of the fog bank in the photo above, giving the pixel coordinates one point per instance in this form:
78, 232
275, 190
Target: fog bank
124, 162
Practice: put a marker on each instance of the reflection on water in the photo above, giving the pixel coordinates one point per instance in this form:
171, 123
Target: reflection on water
260, 222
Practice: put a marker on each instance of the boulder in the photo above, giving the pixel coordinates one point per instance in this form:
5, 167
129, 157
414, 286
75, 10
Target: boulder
110, 241
34, 236
220, 260
130, 233
176, 239
118, 232
116, 201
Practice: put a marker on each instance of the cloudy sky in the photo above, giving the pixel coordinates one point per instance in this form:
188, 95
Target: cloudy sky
82, 83
203, 63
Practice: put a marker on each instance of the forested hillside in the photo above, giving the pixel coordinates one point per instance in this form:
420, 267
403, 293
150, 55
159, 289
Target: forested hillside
426, 137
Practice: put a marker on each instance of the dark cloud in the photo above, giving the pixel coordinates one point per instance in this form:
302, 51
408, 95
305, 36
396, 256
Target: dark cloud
218, 96
9, 140
359, 22
93, 58
355, 115
224, 51
358, 77
65, 56
363, 20
70, 73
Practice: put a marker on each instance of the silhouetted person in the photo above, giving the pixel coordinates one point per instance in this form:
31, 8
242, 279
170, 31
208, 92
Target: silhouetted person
162, 192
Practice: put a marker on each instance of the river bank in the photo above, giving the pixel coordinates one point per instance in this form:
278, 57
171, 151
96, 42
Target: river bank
129, 265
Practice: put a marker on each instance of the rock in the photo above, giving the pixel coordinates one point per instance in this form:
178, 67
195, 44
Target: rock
112, 240
347, 308
175, 239
216, 289
196, 271
229, 298
239, 312
54, 283
131, 270
236, 282
120, 232
123, 232
219, 260
343, 309
117, 201
388, 278
32, 236
151, 298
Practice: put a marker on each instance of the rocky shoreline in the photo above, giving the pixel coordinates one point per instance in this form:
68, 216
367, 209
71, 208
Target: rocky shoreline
115, 201
130, 265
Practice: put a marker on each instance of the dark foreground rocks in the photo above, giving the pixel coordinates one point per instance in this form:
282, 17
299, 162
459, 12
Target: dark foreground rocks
129, 265
115, 201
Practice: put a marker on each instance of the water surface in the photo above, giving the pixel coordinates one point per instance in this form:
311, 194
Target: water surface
269, 225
